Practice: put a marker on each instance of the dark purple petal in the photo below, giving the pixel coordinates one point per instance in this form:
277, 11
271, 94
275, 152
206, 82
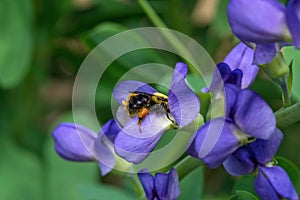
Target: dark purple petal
264, 150
134, 145
74, 142
183, 102
264, 53
231, 92
235, 78
167, 185
214, 142
147, 181
122, 90
223, 70
279, 181
239, 163
221, 73
257, 21
224, 76
293, 20
253, 115
111, 129
241, 57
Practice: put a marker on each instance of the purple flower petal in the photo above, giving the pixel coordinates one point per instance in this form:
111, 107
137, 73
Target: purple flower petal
214, 142
264, 189
221, 73
235, 78
74, 142
293, 20
239, 163
111, 129
253, 115
230, 95
183, 102
264, 53
133, 145
122, 116
105, 168
105, 157
122, 90
264, 150
279, 181
147, 181
241, 57
167, 185
257, 21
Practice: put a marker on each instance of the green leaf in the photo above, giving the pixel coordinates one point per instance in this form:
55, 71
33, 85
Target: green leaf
291, 169
16, 39
196, 82
191, 186
101, 32
20, 172
245, 183
92, 191
243, 195
291, 54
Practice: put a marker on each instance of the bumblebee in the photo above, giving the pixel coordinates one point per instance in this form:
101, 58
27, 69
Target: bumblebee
139, 103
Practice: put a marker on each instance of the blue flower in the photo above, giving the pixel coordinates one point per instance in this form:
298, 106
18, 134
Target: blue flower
135, 143
265, 25
78, 143
272, 182
160, 187
247, 116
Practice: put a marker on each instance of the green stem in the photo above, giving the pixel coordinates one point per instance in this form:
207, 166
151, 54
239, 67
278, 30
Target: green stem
187, 165
169, 36
278, 71
285, 93
288, 116
151, 14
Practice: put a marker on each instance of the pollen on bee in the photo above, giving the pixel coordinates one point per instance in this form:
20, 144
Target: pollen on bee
124, 103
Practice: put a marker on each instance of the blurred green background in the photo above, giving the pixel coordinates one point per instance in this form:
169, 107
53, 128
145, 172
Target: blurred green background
42, 45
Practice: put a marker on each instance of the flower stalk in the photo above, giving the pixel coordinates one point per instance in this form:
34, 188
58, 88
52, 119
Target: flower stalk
187, 165
174, 41
278, 71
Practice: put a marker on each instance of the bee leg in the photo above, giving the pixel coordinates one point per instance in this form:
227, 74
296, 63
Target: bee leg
168, 115
139, 124
142, 115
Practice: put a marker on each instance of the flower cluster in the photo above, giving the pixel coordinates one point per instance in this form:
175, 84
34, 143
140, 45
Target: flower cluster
244, 138
133, 138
